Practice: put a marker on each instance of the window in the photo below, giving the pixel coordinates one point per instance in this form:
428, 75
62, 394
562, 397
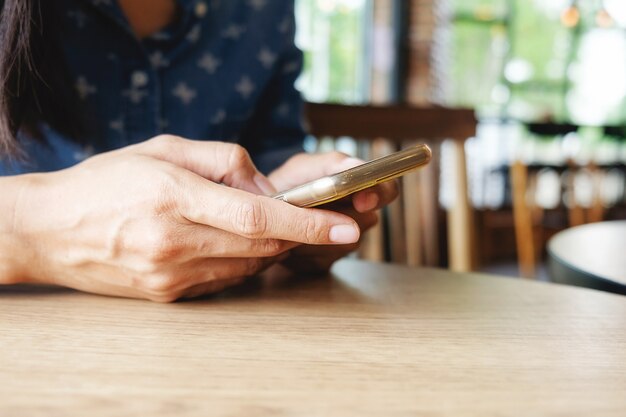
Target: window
539, 60
333, 36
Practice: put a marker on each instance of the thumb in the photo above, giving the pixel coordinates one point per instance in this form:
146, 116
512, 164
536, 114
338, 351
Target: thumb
220, 162
306, 167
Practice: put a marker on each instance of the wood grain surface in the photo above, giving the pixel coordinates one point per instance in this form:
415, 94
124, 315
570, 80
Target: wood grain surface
371, 340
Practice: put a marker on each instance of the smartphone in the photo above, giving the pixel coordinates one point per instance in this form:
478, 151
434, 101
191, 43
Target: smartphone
335, 187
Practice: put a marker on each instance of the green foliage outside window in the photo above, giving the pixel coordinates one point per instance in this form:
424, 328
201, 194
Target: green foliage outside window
332, 35
539, 60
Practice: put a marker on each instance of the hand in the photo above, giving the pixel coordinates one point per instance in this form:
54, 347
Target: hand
164, 219
361, 206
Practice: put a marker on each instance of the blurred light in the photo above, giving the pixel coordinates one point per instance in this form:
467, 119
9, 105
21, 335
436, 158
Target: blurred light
604, 19
500, 94
518, 70
617, 10
583, 184
344, 6
612, 188
553, 8
326, 6
571, 145
555, 69
599, 85
571, 16
484, 13
548, 190
498, 30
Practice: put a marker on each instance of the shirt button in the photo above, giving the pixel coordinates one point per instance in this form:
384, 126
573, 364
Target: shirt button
139, 79
201, 9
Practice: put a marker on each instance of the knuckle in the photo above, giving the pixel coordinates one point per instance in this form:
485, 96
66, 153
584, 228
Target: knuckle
314, 230
165, 191
162, 285
238, 157
163, 146
253, 265
164, 142
162, 245
269, 247
250, 220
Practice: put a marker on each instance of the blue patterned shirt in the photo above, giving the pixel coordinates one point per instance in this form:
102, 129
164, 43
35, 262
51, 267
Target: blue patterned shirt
225, 70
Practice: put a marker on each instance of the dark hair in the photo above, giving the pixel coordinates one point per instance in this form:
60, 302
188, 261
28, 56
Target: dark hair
34, 82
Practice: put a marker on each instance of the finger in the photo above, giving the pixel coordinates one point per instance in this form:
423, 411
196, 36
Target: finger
310, 264
174, 283
207, 272
323, 251
258, 217
211, 287
202, 241
219, 162
303, 168
365, 220
376, 197
333, 252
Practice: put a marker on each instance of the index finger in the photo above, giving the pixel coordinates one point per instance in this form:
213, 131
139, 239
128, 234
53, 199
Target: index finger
375, 197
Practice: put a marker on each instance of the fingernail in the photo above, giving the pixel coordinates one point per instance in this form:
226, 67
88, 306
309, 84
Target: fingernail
344, 233
264, 184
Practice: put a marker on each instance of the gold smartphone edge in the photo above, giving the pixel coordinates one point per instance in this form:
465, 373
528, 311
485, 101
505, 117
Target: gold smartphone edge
423, 148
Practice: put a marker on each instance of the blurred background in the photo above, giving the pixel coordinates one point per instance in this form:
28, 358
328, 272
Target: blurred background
546, 81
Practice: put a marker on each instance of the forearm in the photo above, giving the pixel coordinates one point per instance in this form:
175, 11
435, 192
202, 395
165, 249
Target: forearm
14, 252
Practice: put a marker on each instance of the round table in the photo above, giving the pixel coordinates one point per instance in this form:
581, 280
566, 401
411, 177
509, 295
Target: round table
369, 340
592, 256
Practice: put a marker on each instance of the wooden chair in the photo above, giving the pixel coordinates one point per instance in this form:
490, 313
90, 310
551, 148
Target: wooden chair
528, 215
412, 233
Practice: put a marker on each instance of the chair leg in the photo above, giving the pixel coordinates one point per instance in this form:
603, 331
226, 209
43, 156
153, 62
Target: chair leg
373, 242
575, 212
429, 203
411, 190
459, 225
596, 211
372, 245
523, 221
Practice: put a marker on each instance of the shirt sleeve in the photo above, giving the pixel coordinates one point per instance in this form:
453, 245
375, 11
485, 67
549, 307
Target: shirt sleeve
276, 129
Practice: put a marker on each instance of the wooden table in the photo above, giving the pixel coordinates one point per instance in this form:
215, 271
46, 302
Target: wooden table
592, 255
373, 340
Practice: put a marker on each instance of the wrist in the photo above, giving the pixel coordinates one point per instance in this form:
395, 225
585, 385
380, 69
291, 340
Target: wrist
16, 254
